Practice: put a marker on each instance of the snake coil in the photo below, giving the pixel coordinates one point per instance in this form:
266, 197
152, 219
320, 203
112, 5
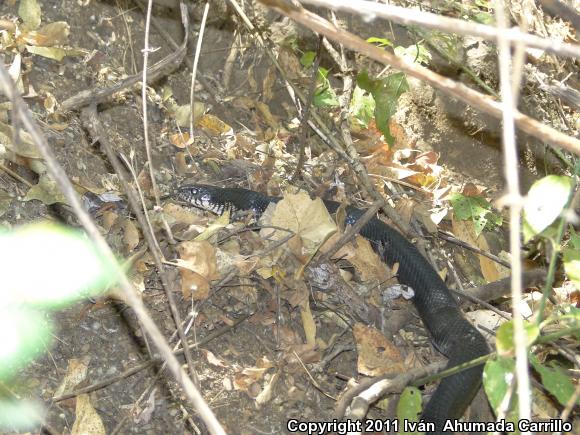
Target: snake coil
452, 334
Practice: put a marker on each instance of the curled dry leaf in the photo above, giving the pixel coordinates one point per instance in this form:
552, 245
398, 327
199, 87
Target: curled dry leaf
376, 354
198, 267
76, 372
213, 360
87, 420
130, 235
248, 376
363, 258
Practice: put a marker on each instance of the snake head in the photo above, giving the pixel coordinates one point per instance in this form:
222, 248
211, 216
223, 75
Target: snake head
201, 196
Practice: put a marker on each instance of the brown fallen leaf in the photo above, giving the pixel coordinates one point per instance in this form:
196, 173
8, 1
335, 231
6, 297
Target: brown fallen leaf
465, 231
198, 267
365, 260
376, 354
88, 421
307, 218
130, 235
76, 372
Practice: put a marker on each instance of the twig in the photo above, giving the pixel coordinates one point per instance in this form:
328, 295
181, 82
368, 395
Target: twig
59, 175
350, 233
194, 68
306, 111
369, 391
16, 176
160, 69
318, 125
94, 126
138, 368
515, 204
452, 25
450, 238
449, 86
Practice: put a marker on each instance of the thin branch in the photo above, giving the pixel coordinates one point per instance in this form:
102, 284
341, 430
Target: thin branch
515, 204
194, 72
452, 239
351, 232
160, 69
132, 298
369, 9
455, 89
153, 245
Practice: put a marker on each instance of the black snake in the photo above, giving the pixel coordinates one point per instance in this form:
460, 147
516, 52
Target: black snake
452, 334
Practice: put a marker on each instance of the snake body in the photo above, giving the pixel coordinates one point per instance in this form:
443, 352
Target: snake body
451, 333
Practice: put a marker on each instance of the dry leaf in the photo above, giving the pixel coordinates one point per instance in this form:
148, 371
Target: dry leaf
376, 354
213, 126
47, 36
182, 215
365, 260
76, 372
25, 147
46, 191
245, 378
87, 420
180, 140
465, 231
198, 267
130, 235
307, 218
213, 360
215, 226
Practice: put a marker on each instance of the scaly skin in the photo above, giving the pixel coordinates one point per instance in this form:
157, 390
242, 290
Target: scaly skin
453, 336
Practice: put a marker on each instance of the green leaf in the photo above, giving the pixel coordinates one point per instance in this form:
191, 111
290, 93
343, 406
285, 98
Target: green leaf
475, 208
386, 93
24, 333
362, 106
414, 53
325, 97
498, 374
30, 13
572, 265
556, 381
504, 338
574, 238
410, 404
307, 59
50, 265
381, 42
484, 18
545, 202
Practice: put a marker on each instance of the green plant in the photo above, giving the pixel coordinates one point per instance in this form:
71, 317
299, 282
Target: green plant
45, 267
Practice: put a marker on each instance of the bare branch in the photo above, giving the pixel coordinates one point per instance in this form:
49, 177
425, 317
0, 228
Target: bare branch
369, 9
450, 87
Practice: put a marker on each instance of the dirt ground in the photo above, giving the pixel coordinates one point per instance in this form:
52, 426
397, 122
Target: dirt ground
104, 334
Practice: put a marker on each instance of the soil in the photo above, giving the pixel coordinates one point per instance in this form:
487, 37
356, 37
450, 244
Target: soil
104, 334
